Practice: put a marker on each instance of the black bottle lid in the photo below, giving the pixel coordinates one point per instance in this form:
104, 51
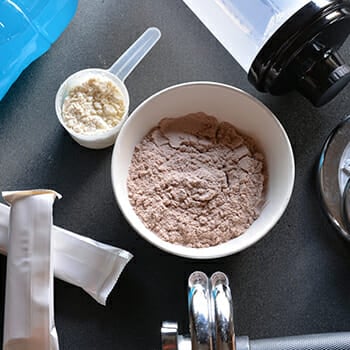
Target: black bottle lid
324, 80
303, 55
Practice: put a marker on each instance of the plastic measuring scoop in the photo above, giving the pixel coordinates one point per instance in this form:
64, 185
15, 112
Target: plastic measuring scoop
117, 74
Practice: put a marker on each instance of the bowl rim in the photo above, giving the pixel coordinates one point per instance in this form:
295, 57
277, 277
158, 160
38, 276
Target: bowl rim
209, 252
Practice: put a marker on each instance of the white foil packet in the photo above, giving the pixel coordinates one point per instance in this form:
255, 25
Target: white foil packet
29, 312
81, 261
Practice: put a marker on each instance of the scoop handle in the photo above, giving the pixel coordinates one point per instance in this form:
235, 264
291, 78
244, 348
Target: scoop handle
126, 63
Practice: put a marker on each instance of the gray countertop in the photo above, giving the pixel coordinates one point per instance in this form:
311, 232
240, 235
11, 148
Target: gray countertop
294, 281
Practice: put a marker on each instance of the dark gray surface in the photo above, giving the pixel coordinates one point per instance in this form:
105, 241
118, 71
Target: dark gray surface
294, 281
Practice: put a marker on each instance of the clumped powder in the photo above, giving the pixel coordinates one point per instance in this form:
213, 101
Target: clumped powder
196, 182
94, 106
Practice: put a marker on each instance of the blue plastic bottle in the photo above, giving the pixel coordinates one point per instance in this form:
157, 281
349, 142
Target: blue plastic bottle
27, 30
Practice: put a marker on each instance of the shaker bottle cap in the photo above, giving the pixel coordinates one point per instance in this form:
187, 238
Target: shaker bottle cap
324, 80
303, 55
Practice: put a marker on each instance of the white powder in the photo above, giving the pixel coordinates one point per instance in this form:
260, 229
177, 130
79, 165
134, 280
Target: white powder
96, 105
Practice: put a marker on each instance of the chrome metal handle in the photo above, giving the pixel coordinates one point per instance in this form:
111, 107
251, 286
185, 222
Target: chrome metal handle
326, 341
211, 322
199, 311
223, 312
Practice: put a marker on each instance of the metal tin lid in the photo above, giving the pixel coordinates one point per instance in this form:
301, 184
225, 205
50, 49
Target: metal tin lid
334, 175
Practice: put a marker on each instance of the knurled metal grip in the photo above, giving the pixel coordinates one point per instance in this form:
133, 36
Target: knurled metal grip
169, 336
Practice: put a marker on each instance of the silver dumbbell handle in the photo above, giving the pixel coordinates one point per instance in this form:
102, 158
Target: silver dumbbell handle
211, 323
325, 341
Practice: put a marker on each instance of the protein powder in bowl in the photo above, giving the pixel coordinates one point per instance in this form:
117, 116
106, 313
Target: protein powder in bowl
239, 118
196, 182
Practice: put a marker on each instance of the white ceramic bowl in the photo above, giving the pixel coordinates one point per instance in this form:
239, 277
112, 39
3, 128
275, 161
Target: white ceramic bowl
226, 103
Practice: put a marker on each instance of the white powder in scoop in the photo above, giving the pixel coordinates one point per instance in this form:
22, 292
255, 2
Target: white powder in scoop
196, 182
96, 105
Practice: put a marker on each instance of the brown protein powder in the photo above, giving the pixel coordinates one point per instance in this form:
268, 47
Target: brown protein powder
196, 182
